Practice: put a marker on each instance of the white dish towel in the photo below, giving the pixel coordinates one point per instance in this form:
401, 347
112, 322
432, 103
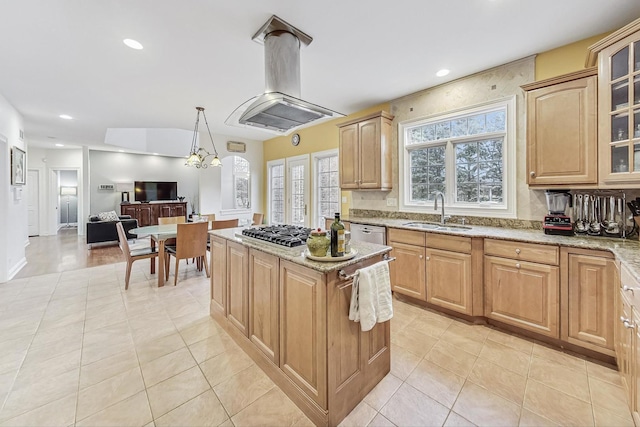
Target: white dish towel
371, 299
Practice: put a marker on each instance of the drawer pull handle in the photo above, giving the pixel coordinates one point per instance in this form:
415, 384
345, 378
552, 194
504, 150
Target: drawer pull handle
623, 319
628, 324
532, 174
627, 288
420, 256
518, 251
518, 265
427, 258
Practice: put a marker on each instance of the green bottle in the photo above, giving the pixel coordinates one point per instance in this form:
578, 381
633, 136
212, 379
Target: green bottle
337, 237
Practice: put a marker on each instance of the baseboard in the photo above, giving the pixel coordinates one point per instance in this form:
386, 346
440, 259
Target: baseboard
16, 268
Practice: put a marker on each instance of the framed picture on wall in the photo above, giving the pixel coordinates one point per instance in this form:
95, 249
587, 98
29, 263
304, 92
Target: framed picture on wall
18, 171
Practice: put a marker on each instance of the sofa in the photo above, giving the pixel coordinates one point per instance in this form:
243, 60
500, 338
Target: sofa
99, 231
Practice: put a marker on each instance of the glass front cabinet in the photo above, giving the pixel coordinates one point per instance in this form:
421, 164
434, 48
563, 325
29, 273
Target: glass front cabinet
618, 58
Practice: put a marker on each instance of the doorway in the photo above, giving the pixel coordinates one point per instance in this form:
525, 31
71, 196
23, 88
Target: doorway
68, 198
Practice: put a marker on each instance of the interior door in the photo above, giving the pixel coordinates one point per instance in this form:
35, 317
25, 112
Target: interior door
33, 194
298, 191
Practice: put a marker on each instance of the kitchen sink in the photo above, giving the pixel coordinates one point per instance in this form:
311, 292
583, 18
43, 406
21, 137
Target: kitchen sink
435, 226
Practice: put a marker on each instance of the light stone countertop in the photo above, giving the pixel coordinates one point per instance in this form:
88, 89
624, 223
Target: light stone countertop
296, 254
626, 250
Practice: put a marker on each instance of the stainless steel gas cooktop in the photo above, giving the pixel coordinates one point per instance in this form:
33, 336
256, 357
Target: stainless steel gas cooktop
284, 235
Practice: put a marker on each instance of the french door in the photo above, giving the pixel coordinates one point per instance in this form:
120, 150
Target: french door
288, 191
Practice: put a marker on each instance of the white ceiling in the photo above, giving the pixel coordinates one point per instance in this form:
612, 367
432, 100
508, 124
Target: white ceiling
67, 56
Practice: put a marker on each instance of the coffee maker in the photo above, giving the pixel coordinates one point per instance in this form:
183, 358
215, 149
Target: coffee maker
557, 222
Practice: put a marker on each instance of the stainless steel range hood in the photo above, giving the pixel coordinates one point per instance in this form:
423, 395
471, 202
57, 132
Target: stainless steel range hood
280, 108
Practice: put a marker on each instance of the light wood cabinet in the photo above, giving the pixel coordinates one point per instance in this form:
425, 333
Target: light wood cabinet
365, 153
588, 299
522, 294
218, 274
408, 270
303, 339
449, 282
238, 286
264, 303
562, 130
624, 348
618, 59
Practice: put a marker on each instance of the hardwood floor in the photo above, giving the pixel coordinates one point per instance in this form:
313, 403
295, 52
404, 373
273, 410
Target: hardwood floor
67, 251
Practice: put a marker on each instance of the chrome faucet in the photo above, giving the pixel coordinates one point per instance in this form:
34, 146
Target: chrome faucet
443, 217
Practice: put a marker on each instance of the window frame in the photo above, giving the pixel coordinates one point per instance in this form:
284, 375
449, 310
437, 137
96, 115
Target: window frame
241, 175
270, 165
315, 157
505, 210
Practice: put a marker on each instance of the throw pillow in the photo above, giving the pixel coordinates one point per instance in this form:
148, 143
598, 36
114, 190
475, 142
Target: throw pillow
108, 216
94, 218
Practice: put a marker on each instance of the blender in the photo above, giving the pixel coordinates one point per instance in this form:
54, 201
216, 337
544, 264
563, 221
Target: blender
557, 222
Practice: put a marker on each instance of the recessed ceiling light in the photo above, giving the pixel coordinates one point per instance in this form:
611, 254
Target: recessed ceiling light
155, 154
133, 44
65, 116
122, 151
442, 72
59, 145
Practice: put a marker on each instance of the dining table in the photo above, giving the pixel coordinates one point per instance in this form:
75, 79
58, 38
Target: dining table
159, 234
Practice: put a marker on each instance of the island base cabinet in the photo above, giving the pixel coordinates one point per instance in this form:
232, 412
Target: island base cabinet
303, 333
238, 286
218, 275
589, 292
357, 360
264, 303
408, 270
522, 294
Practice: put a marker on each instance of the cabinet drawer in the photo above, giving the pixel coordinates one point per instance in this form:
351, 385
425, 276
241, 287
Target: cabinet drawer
406, 236
449, 243
630, 286
543, 254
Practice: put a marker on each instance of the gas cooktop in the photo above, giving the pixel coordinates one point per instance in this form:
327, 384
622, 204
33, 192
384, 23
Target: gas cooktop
284, 235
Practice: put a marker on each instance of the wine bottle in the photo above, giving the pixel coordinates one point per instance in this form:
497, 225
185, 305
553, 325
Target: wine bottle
337, 237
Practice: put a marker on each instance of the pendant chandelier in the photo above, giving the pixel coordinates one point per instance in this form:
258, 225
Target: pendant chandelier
198, 155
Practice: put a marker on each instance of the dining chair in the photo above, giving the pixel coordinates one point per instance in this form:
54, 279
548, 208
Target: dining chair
224, 223
191, 242
257, 218
132, 255
172, 220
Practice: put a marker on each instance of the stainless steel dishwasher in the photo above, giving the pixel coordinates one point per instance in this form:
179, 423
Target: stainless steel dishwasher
368, 233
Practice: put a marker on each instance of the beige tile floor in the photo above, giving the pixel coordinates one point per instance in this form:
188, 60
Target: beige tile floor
76, 349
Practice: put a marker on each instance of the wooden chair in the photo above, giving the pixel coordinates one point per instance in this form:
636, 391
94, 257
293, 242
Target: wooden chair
224, 223
257, 219
132, 255
191, 242
172, 220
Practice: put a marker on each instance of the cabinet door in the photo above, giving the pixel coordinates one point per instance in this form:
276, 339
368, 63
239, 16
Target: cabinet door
349, 157
449, 280
370, 154
633, 392
624, 344
129, 210
303, 334
408, 270
592, 292
145, 216
178, 210
237, 286
219, 274
263, 303
522, 294
562, 133
165, 211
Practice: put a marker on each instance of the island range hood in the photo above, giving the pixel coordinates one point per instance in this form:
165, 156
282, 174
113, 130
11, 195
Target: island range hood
279, 109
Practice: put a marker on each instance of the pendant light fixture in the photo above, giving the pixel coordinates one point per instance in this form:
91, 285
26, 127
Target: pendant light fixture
198, 155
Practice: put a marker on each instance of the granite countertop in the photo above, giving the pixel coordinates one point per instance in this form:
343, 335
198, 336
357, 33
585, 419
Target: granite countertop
296, 254
626, 250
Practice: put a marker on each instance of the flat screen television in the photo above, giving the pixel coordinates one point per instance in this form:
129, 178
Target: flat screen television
151, 191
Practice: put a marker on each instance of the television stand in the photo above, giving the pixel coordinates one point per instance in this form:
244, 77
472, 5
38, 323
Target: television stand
148, 213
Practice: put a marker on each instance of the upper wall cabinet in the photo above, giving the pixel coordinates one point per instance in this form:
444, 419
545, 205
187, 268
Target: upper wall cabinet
562, 130
618, 59
365, 153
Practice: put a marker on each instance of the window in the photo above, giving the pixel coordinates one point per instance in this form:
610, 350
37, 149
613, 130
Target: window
327, 186
468, 155
276, 191
241, 183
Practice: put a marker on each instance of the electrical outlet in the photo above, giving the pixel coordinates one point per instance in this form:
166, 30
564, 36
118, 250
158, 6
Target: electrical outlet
392, 201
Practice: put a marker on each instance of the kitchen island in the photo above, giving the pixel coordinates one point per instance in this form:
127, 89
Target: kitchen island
291, 315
